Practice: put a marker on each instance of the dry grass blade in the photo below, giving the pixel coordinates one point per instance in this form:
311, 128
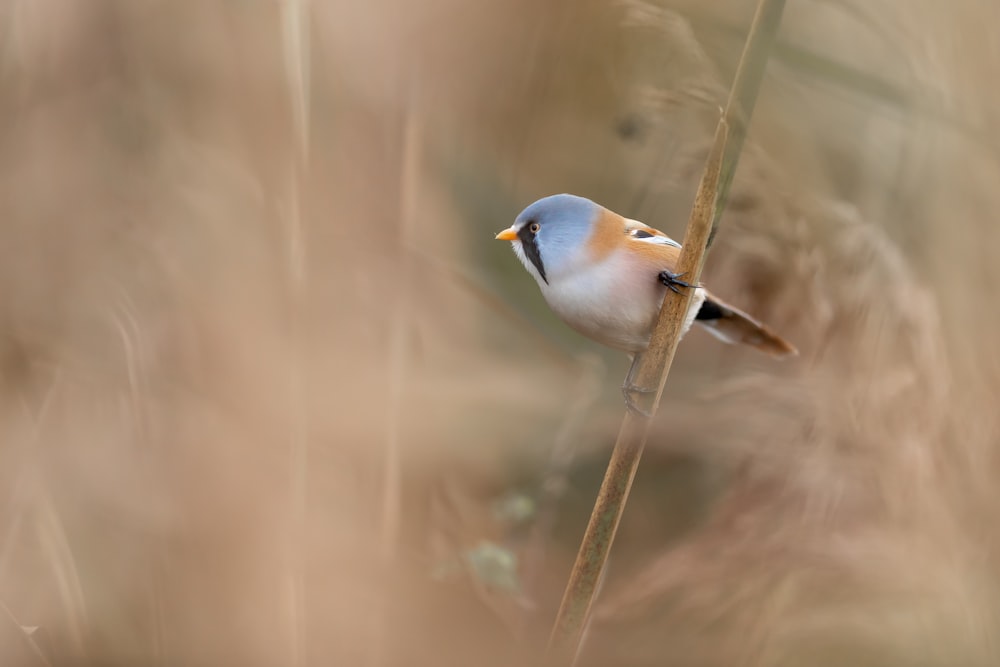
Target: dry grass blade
654, 364
295, 40
20, 647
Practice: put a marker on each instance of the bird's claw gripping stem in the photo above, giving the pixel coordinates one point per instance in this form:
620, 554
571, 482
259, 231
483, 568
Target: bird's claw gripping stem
673, 281
627, 390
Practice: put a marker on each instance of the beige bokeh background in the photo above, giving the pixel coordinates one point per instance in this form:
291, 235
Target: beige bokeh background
270, 394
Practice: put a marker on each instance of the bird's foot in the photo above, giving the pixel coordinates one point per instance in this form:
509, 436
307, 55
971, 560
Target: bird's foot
673, 281
627, 391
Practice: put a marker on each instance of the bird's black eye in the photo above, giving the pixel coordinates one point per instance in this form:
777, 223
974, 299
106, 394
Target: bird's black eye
534, 227
642, 234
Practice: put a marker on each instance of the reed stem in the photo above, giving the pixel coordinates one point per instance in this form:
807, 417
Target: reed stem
654, 366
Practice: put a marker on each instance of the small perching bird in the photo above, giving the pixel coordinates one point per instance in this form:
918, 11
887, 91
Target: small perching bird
606, 276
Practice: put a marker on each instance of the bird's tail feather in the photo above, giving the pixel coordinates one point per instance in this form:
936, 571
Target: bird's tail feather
734, 326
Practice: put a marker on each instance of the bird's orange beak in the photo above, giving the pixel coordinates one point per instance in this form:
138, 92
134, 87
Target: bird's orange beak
507, 235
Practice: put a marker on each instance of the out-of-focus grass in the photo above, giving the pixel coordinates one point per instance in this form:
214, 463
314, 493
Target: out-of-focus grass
841, 509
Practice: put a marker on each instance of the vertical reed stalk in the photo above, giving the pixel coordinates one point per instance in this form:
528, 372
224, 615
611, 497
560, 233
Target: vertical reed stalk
295, 20
397, 357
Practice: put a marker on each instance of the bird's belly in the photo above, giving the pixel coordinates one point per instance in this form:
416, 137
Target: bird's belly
610, 307
615, 307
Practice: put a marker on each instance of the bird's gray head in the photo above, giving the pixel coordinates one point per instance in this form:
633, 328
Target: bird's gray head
553, 233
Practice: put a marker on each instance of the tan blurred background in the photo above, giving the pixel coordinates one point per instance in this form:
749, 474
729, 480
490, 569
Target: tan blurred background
270, 394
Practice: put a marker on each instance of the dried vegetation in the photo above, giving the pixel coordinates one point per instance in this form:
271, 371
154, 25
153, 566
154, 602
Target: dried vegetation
271, 395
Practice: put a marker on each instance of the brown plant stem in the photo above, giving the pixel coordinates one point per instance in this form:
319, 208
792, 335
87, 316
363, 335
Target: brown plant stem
654, 364
743, 94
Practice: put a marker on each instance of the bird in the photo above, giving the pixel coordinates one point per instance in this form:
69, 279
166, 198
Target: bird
606, 276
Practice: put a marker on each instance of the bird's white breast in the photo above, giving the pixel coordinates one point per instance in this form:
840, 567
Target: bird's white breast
612, 301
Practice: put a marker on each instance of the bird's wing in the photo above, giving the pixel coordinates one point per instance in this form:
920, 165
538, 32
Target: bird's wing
643, 232
655, 251
650, 248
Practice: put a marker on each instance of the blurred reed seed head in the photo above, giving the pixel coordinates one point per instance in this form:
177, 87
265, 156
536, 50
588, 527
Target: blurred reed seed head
195, 308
